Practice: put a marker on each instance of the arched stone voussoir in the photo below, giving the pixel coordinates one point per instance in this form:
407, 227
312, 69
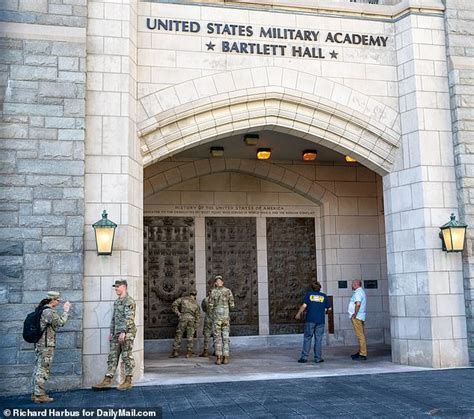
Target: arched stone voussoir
268, 171
304, 105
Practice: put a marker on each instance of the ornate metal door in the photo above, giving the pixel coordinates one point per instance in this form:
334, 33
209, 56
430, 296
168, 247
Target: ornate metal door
291, 253
168, 262
231, 250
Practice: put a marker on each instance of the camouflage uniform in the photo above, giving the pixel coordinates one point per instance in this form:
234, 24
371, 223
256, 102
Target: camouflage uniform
123, 320
220, 301
189, 313
207, 329
44, 348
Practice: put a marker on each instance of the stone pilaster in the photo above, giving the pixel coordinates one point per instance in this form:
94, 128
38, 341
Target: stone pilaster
113, 179
262, 275
425, 283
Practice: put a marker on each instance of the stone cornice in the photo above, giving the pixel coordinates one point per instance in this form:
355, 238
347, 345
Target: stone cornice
331, 8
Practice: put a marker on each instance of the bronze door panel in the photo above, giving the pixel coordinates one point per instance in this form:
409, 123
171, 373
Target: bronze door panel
231, 250
291, 253
168, 264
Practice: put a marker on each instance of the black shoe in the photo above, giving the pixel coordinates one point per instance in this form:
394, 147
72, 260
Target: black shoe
361, 358
318, 361
355, 356
302, 361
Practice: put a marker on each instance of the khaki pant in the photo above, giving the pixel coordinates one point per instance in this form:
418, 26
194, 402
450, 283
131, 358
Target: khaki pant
359, 332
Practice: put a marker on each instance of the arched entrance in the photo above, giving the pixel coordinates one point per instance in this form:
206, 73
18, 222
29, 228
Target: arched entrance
314, 108
322, 120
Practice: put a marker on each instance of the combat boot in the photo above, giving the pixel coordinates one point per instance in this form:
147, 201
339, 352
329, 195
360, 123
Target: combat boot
44, 398
204, 353
105, 383
225, 360
219, 360
174, 354
189, 354
127, 384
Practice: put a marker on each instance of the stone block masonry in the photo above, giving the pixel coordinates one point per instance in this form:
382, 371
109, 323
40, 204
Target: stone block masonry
459, 40
42, 90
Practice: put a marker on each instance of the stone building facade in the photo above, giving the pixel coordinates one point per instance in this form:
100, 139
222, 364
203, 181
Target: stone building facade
114, 104
43, 87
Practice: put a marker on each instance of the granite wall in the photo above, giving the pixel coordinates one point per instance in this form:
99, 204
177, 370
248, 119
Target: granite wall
42, 90
460, 44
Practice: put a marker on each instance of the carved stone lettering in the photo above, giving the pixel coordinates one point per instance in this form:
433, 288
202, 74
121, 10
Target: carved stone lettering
291, 253
231, 250
168, 264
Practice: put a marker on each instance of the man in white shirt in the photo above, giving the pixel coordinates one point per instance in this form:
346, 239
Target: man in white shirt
359, 300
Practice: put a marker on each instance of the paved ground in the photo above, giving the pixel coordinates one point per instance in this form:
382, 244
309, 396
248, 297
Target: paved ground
274, 363
438, 393
435, 393
271, 383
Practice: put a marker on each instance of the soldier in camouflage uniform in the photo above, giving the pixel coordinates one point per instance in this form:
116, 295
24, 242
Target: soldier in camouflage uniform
207, 328
50, 321
220, 302
122, 334
189, 313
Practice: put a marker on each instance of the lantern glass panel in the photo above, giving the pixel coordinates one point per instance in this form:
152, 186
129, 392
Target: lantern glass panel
457, 237
447, 239
105, 238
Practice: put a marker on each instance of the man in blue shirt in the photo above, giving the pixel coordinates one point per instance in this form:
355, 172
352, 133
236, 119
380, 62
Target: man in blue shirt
317, 305
357, 309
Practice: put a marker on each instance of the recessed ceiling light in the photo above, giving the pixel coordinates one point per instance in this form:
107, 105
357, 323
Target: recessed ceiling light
309, 155
349, 159
251, 139
217, 151
264, 153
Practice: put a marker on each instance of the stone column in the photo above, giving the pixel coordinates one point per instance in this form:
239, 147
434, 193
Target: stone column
262, 275
425, 284
200, 263
200, 256
460, 38
114, 177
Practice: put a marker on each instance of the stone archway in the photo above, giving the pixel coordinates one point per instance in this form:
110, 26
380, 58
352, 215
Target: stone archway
314, 108
292, 180
297, 103
331, 220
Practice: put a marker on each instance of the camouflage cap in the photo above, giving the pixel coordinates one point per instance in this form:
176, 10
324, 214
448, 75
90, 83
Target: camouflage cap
216, 277
119, 282
54, 295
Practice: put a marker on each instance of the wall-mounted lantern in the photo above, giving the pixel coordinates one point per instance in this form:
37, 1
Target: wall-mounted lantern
104, 230
453, 235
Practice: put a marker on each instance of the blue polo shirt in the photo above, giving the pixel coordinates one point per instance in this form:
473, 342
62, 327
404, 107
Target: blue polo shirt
317, 302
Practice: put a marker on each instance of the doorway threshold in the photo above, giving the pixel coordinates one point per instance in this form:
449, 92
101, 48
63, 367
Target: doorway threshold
268, 363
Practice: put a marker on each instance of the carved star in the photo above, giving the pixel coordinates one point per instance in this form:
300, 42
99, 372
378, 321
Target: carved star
333, 54
210, 46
